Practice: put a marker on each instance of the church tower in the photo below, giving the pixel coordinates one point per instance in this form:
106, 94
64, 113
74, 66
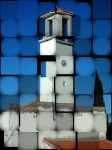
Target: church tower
58, 31
57, 75
56, 49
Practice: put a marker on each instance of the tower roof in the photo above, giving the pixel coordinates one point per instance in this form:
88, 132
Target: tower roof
57, 10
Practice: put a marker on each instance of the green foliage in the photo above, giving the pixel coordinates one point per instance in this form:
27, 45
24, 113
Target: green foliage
98, 92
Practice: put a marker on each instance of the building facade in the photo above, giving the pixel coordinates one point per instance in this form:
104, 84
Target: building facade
54, 109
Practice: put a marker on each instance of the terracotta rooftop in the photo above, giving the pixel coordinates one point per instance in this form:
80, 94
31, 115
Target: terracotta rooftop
82, 145
60, 143
57, 10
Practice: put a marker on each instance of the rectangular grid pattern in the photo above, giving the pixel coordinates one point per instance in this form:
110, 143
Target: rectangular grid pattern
23, 68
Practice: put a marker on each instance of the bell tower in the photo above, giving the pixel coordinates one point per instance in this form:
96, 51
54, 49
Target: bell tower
58, 32
58, 44
58, 22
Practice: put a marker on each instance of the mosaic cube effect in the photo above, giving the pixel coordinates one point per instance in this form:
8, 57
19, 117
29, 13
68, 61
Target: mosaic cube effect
55, 74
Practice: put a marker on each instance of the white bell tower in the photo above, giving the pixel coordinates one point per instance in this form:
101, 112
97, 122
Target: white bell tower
57, 42
58, 23
57, 82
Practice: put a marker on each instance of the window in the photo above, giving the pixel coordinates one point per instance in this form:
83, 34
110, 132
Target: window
50, 27
64, 26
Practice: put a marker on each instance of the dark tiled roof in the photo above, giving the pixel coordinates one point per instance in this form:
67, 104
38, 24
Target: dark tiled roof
71, 144
14, 107
31, 104
99, 109
60, 106
34, 105
29, 107
84, 109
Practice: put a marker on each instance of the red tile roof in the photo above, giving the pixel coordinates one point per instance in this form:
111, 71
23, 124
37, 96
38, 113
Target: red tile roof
60, 143
93, 145
105, 144
58, 10
82, 145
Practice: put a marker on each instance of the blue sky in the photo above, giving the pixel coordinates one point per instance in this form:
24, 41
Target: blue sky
20, 47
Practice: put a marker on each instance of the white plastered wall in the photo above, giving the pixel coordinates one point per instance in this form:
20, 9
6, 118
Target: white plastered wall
88, 122
47, 98
11, 138
100, 123
46, 85
64, 98
64, 85
28, 122
52, 47
48, 47
63, 50
83, 122
68, 69
9, 120
45, 121
50, 69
